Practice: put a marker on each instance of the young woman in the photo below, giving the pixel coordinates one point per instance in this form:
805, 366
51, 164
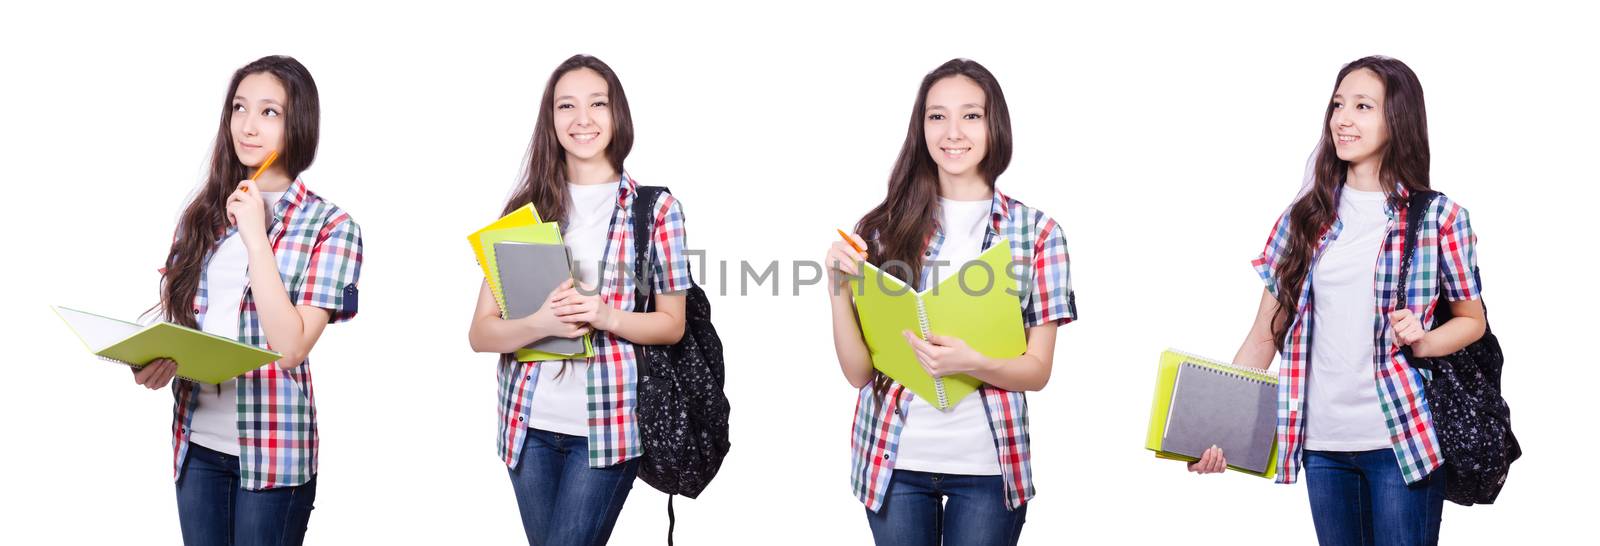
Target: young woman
961, 476
568, 434
270, 264
1351, 409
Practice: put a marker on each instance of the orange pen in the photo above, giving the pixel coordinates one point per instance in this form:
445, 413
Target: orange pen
273, 156
852, 242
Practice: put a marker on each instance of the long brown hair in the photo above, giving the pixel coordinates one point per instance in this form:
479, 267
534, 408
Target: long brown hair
205, 219
544, 179
1404, 161
897, 230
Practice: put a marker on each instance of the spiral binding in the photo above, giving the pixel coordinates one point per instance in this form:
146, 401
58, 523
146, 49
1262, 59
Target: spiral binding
1251, 374
124, 363
938, 382
1253, 378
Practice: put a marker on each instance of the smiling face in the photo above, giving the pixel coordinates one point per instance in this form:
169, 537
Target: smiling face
1357, 122
954, 127
582, 114
257, 122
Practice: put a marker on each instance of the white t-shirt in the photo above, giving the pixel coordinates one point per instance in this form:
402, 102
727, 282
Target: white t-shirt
959, 440
216, 419
1342, 408
562, 404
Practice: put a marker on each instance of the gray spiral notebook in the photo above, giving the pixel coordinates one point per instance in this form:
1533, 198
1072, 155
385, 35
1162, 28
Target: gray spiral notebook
529, 272
1235, 412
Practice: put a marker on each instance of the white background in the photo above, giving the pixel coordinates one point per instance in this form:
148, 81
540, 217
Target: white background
1164, 138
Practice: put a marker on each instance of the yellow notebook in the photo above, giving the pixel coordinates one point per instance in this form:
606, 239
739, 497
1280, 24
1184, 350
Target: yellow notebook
522, 226
525, 216
1161, 405
977, 305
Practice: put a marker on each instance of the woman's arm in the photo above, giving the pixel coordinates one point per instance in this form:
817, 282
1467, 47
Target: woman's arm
1465, 326
1259, 347
491, 334
854, 359
664, 326
291, 330
945, 355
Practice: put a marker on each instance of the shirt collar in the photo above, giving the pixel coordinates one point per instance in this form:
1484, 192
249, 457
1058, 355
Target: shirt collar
1402, 196
627, 189
1000, 208
293, 197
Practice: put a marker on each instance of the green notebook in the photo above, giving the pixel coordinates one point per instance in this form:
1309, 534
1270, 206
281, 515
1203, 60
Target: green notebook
541, 233
984, 314
201, 357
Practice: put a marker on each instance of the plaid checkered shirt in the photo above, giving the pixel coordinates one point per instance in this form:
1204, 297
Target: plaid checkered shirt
613, 427
1045, 295
318, 248
1444, 252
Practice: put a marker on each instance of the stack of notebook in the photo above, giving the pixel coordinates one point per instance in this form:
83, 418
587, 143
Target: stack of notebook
977, 305
1201, 402
524, 260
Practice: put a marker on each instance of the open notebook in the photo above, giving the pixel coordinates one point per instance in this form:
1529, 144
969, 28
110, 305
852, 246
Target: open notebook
1201, 402
201, 357
977, 305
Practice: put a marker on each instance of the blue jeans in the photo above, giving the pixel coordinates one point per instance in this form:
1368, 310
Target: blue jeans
213, 509
562, 500
1360, 498
923, 508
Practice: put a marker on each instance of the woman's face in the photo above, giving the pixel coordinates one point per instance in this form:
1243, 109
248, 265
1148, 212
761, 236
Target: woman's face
954, 126
1360, 130
583, 114
257, 122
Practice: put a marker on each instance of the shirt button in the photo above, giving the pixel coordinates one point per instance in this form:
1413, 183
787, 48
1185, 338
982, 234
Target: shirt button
519, 418
528, 377
885, 456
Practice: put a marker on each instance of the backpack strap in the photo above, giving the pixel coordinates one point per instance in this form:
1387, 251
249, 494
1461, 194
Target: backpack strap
1414, 212
644, 221
1415, 209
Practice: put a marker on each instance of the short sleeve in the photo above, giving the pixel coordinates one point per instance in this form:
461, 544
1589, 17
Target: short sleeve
332, 271
1266, 264
671, 270
1050, 299
1458, 259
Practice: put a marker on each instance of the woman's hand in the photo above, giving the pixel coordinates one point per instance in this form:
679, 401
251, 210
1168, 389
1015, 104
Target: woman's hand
585, 307
248, 212
1406, 328
156, 374
1211, 462
842, 262
545, 323
945, 355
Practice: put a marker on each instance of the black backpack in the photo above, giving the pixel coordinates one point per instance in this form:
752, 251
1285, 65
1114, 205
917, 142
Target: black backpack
682, 411
1470, 417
